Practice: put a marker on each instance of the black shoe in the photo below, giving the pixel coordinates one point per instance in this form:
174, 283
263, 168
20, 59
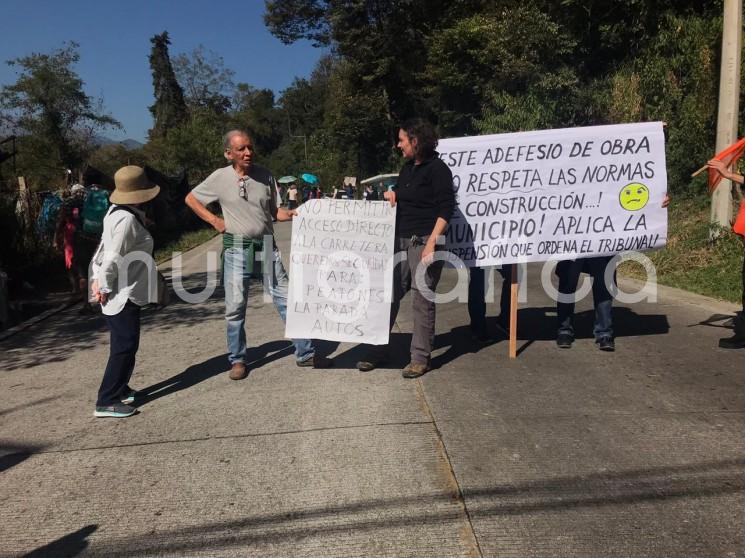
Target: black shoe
564, 341
734, 342
316, 361
606, 343
480, 335
370, 362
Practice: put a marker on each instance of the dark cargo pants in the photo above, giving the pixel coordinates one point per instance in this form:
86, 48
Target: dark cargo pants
423, 310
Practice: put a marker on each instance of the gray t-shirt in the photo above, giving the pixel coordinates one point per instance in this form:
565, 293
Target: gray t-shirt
251, 217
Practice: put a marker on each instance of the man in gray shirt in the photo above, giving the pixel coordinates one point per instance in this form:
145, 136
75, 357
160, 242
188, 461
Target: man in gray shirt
246, 194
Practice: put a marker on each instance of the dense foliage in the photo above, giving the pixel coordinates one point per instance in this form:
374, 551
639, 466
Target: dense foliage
472, 67
56, 122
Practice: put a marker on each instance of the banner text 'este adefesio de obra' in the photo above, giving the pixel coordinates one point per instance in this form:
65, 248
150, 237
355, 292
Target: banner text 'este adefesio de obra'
557, 194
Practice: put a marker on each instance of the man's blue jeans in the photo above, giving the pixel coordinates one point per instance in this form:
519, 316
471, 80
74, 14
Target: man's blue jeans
569, 272
236, 281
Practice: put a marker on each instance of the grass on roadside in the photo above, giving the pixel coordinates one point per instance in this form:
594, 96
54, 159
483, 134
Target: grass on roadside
186, 241
690, 261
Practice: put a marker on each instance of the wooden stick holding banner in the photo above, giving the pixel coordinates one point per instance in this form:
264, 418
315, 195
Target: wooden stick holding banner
699, 171
513, 310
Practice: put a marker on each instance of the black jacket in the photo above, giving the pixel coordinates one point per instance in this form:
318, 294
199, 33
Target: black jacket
424, 192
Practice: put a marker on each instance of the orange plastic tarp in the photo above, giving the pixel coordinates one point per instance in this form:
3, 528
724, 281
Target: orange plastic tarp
739, 226
728, 156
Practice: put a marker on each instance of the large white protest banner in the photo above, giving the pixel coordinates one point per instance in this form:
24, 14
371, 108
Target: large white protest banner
340, 268
557, 194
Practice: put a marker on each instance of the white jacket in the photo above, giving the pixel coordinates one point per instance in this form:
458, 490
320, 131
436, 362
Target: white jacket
123, 264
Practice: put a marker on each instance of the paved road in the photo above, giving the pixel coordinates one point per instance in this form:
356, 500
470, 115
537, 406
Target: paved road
571, 453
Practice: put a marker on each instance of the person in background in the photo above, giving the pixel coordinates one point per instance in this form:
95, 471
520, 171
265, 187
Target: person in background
124, 236
737, 341
477, 304
77, 246
371, 193
292, 194
568, 272
69, 222
245, 194
424, 201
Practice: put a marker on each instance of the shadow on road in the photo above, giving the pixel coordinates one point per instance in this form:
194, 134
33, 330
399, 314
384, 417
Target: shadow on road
534, 324
69, 333
67, 546
13, 454
724, 321
256, 357
15, 408
559, 494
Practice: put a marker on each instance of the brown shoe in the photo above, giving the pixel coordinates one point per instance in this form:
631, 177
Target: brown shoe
415, 369
238, 371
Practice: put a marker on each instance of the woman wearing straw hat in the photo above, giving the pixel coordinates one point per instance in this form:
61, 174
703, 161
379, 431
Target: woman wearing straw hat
124, 280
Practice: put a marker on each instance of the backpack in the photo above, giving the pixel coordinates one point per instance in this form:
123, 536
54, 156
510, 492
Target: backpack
46, 222
94, 210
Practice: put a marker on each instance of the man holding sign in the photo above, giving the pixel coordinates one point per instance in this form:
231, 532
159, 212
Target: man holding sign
246, 193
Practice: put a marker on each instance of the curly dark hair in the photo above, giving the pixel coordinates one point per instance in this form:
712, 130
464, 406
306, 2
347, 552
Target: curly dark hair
425, 135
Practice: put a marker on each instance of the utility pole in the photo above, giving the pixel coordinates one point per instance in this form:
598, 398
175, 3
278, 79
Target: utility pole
305, 138
729, 97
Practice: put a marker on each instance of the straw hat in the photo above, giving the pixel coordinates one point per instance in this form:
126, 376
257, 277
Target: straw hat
133, 186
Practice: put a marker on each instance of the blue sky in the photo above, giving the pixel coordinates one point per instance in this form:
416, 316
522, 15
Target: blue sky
114, 40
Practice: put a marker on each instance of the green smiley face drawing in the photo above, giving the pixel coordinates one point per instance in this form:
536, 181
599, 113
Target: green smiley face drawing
634, 196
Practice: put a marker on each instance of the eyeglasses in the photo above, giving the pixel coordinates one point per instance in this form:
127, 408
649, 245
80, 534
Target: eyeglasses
242, 191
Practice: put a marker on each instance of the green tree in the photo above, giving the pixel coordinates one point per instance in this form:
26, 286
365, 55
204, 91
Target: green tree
194, 147
110, 158
169, 109
205, 80
485, 62
673, 80
478, 66
300, 114
303, 103
256, 113
609, 32
49, 109
187, 139
383, 42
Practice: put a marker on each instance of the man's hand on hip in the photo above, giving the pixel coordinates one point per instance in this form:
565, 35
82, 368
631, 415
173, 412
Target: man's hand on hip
219, 224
